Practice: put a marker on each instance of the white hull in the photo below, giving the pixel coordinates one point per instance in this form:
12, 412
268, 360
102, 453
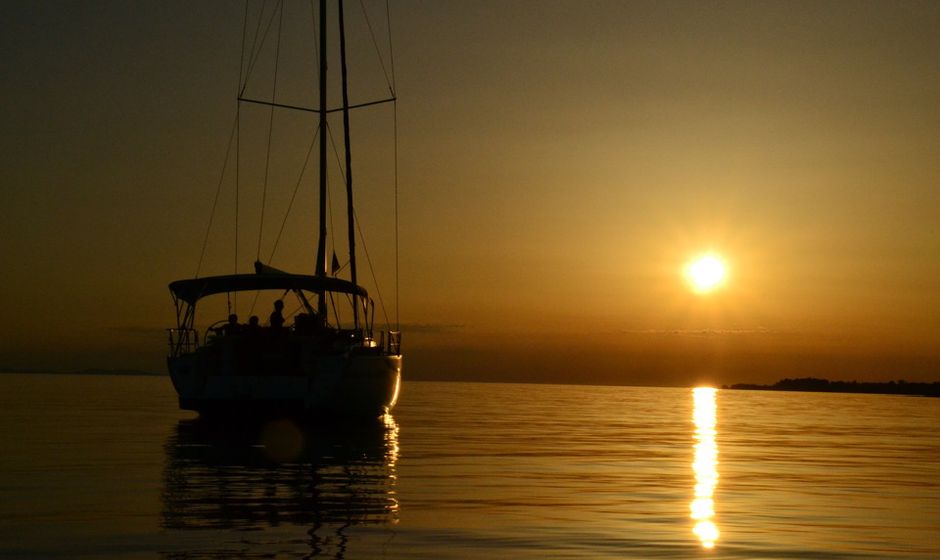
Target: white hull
346, 384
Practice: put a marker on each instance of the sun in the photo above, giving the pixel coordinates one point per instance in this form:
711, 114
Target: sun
706, 273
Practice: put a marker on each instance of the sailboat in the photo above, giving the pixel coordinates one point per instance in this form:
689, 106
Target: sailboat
325, 358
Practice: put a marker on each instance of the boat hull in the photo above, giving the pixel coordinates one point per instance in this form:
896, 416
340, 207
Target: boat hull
345, 385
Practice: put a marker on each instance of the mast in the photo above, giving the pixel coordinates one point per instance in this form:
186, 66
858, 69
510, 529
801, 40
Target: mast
321, 244
350, 214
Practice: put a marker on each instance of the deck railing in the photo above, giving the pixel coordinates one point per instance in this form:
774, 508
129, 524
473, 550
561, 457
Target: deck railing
394, 342
182, 341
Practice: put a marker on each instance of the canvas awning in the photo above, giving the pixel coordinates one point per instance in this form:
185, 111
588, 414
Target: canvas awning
194, 289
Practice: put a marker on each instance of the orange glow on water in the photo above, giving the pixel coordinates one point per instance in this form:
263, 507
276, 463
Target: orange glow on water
705, 465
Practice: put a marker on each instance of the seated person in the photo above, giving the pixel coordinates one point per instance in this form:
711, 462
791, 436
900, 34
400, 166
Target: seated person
229, 328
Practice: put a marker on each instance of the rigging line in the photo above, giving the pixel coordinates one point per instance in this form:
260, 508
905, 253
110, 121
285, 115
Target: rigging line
335, 309
316, 39
251, 310
309, 110
365, 249
375, 43
237, 131
238, 140
247, 62
294, 194
342, 175
254, 55
329, 200
236, 135
267, 159
323, 122
391, 59
232, 299
241, 60
397, 283
391, 52
342, 171
215, 201
295, 311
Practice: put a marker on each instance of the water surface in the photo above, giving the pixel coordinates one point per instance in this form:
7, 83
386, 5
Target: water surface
107, 467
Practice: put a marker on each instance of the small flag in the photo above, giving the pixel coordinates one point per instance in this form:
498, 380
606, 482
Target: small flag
335, 266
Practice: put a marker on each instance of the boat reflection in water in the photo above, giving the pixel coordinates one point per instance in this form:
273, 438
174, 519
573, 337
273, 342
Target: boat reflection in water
277, 478
705, 465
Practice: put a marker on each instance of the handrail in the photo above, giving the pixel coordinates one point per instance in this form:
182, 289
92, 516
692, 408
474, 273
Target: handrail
394, 342
182, 341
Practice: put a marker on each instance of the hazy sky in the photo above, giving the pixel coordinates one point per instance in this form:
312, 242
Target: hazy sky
559, 163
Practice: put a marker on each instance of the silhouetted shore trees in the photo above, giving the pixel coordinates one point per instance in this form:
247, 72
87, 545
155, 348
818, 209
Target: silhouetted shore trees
815, 384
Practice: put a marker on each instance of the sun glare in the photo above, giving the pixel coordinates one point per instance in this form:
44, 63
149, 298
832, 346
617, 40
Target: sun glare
706, 273
705, 467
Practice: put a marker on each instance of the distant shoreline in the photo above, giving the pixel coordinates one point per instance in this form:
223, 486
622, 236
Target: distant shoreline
126, 372
803, 384
816, 385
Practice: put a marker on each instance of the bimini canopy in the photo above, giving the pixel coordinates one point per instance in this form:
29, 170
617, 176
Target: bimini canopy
193, 290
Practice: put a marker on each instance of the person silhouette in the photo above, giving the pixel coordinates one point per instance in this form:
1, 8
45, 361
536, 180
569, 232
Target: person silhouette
277, 318
232, 327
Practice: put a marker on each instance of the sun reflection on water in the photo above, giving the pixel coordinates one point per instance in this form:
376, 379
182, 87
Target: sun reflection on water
705, 465
391, 461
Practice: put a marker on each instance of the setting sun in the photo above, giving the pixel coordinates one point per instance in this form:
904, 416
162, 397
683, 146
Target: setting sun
706, 273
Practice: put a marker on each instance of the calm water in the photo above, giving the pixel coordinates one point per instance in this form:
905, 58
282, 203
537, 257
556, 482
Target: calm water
106, 467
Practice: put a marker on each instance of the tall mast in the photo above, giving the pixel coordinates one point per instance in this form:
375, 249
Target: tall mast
321, 245
350, 214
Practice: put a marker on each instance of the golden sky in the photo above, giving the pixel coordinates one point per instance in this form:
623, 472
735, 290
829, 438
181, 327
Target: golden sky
560, 162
